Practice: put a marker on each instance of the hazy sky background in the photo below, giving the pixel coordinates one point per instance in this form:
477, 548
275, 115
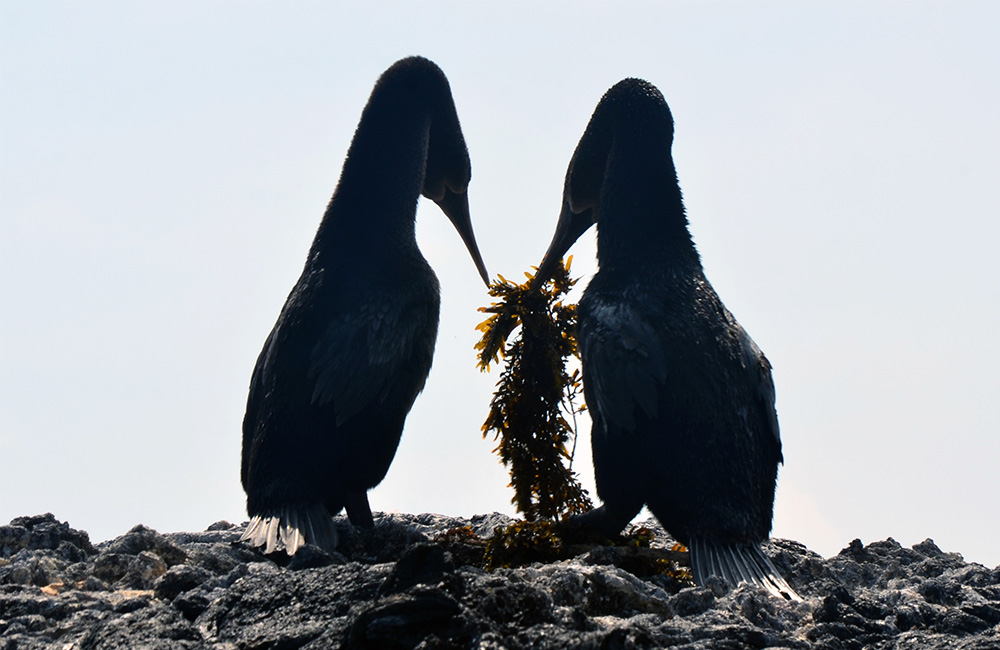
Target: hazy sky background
164, 166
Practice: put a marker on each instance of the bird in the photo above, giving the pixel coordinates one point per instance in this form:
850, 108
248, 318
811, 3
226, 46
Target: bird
353, 344
682, 400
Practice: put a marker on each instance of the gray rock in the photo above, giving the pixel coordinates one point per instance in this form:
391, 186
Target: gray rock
407, 585
44, 532
179, 579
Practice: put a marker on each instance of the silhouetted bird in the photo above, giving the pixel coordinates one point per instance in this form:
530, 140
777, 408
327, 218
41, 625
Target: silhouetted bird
681, 398
353, 344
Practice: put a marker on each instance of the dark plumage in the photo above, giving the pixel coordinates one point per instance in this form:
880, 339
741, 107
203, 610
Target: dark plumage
353, 344
681, 398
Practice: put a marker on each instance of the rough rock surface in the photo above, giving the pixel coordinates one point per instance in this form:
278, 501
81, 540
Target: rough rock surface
395, 587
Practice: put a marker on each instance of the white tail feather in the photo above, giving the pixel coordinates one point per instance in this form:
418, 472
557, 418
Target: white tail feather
738, 563
289, 529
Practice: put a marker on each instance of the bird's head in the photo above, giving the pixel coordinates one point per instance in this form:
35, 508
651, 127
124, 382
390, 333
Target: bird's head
448, 169
633, 112
447, 176
415, 88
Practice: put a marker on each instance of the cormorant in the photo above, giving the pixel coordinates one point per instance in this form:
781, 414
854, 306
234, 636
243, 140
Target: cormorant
681, 398
353, 344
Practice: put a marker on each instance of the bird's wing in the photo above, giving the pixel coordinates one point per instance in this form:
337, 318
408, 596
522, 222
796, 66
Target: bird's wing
354, 363
624, 363
760, 377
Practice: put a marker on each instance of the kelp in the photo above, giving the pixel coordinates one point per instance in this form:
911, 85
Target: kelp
536, 397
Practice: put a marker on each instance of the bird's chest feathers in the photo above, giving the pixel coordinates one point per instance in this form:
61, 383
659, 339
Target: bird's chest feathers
394, 331
372, 339
376, 319
643, 352
382, 330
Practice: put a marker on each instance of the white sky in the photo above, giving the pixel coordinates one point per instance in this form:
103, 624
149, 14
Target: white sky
164, 166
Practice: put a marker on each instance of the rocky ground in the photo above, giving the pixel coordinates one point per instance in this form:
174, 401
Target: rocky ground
409, 585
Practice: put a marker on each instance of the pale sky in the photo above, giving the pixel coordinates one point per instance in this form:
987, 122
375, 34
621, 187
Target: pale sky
164, 166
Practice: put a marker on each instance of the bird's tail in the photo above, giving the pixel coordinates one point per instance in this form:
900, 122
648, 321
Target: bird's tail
736, 563
290, 527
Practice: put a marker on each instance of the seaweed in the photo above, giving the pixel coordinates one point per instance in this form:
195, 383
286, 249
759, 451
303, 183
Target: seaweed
535, 394
524, 542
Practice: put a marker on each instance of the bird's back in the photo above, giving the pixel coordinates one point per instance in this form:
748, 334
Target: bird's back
681, 397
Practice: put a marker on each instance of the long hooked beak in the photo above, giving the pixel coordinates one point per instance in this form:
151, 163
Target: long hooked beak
456, 206
568, 229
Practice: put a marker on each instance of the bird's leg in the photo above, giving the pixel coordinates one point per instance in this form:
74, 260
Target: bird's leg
605, 521
358, 510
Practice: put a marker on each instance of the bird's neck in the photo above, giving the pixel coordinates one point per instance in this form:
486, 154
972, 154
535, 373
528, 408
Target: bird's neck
374, 205
642, 226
